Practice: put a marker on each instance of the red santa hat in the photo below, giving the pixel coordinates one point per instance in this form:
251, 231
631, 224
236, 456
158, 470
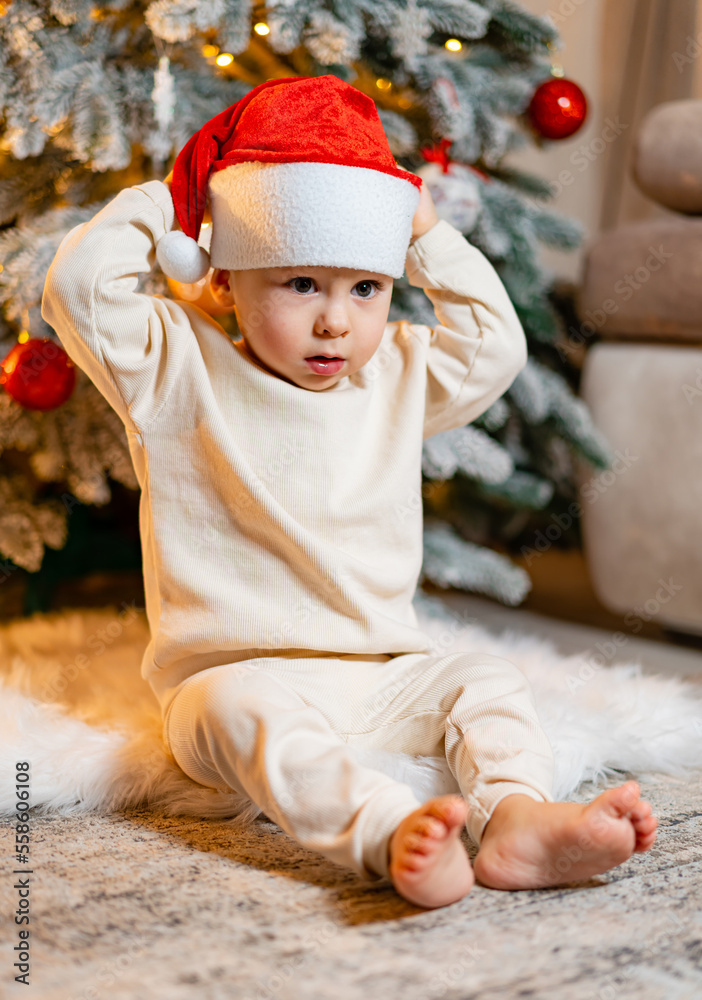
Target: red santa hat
299, 171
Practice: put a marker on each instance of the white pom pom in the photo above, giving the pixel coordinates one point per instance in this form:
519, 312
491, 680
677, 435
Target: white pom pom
181, 258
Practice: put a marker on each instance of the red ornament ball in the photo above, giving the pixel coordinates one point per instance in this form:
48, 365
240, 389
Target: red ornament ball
38, 374
558, 108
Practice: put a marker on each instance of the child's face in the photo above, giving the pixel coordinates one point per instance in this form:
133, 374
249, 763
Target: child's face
288, 315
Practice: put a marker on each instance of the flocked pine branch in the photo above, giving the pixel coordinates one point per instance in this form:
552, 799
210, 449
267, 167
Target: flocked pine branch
469, 450
450, 561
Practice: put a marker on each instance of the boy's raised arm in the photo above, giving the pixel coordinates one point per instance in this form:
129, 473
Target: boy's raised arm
131, 345
478, 347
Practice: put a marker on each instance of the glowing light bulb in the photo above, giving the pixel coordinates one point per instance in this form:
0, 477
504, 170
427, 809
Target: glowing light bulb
261, 28
383, 84
224, 59
453, 45
210, 51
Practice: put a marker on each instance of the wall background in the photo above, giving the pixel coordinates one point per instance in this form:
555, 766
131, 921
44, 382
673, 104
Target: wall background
628, 56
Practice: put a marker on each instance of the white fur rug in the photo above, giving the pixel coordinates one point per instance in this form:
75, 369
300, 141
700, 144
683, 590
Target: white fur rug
72, 702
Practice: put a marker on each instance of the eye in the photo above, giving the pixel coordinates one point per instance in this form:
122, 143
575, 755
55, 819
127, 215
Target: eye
303, 280
368, 285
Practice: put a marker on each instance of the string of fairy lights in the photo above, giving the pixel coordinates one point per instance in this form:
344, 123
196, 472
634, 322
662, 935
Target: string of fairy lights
223, 59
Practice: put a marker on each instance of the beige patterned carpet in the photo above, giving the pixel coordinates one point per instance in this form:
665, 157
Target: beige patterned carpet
141, 906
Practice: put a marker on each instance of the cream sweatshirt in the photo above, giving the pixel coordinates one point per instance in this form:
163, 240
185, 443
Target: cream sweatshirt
275, 520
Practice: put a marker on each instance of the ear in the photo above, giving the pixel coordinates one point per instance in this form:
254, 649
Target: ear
220, 288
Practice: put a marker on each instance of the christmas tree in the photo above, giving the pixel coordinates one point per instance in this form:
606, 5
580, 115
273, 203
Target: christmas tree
96, 98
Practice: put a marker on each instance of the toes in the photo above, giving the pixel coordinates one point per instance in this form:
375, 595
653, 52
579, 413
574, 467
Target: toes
408, 866
417, 844
410, 857
450, 810
645, 826
425, 837
426, 833
617, 802
431, 827
629, 795
645, 843
641, 811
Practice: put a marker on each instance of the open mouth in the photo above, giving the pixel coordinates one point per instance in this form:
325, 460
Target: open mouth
324, 365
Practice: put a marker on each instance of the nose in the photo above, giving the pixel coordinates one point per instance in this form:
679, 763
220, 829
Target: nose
333, 318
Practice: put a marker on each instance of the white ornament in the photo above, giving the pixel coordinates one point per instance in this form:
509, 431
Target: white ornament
163, 96
456, 194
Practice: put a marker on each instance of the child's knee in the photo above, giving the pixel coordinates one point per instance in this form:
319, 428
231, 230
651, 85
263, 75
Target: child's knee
495, 670
207, 703
232, 703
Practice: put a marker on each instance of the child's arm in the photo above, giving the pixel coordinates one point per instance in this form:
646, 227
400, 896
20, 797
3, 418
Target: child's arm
479, 347
131, 345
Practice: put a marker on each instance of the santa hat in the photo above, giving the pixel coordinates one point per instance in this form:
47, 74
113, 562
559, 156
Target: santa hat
299, 171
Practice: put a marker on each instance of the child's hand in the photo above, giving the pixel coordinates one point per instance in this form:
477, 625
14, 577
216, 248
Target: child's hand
425, 215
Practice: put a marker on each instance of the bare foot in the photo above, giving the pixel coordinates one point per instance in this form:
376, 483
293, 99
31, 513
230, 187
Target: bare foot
428, 863
528, 844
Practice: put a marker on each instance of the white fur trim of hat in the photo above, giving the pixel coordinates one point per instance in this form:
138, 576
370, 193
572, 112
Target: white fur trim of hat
327, 214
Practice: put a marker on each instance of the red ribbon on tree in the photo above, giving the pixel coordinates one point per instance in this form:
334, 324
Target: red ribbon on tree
438, 153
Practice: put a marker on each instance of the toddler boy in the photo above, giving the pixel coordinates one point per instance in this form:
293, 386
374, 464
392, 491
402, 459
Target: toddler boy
279, 573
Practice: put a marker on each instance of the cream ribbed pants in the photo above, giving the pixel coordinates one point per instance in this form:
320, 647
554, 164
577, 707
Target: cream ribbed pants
279, 729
